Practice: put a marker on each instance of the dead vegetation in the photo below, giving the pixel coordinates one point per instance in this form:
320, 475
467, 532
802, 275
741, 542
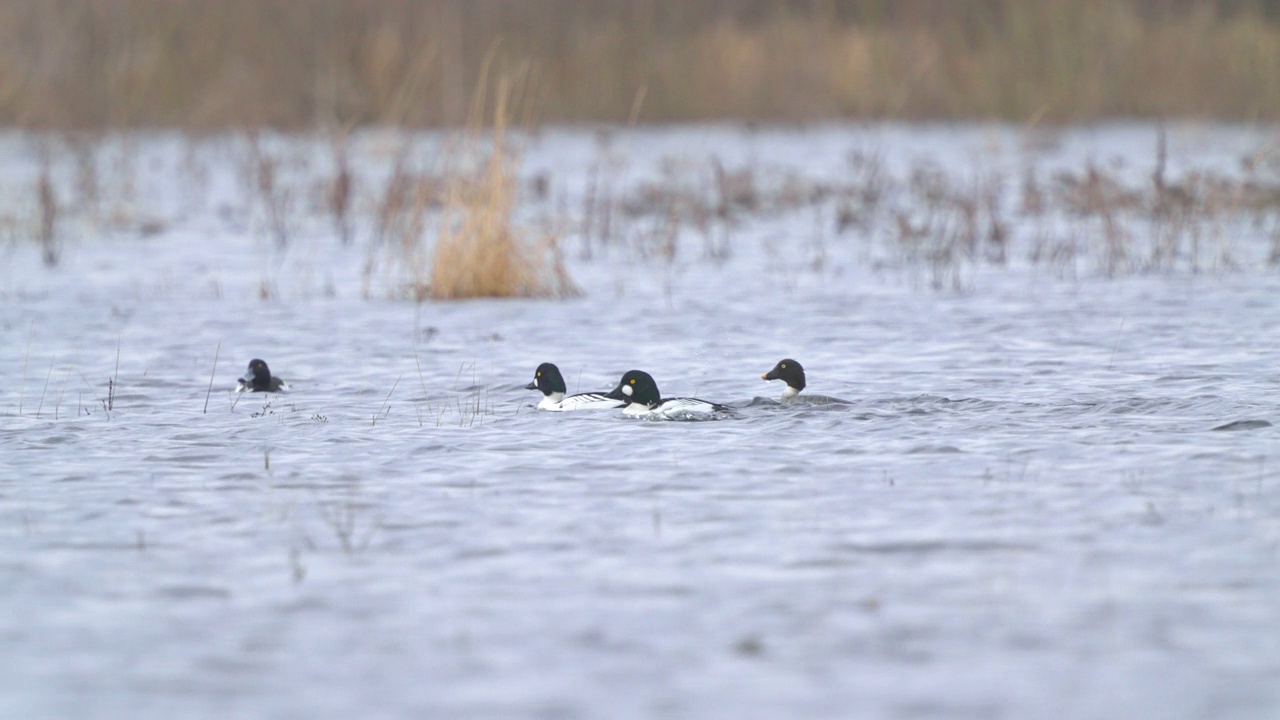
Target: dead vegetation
48, 203
447, 217
478, 248
204, 65
929, 218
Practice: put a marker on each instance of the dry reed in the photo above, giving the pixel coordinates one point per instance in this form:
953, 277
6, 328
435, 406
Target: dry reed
48, 203
479, 251
941, 224
242, 63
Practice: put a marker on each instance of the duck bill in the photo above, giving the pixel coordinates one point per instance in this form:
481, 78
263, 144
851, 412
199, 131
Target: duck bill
771, 375
531, 386
248, 378
617, 394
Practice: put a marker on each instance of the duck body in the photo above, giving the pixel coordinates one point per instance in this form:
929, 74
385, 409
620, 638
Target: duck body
640, 393
792, 373
259, 379
548, 380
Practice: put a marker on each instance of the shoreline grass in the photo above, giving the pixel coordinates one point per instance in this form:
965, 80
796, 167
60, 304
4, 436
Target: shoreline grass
197, 65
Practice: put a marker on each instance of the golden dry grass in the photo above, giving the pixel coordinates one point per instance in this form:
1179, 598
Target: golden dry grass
479, 251
208, 65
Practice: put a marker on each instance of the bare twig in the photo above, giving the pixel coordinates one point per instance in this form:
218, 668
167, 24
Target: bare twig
384, 410
211, 374
101, 402
46, 387
26, 356
115, 379
48, 211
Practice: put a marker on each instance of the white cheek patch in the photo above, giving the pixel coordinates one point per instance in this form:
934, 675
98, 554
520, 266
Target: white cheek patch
626, 390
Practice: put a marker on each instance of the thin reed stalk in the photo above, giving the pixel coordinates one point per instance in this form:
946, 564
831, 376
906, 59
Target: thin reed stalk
46, 387
212, 373
115, 380
22, 387
385, 409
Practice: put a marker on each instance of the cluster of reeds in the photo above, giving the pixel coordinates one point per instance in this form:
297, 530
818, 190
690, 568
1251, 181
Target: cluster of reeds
443, 229
946, 222
478, 248
68, 192
468, 405
1168, 223
691, 200
237, 63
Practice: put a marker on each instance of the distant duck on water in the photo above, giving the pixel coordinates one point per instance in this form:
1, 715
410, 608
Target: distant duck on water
792, 373
260, 379
639, 391
548, 380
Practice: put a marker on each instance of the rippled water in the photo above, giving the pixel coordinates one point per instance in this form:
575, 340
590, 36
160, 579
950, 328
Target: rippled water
1024, 511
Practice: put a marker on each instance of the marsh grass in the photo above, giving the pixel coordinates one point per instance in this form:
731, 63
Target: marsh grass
275, 197
471, 404
341, 186
443, 218
940, 224
446, 228
398, 254
479, 249
278, 63
84, 149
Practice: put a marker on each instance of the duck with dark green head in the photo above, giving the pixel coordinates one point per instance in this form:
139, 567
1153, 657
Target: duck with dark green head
639, 391
548, 380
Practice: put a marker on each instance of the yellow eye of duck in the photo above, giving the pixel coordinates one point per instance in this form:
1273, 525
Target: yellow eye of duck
538, 374
633, 381
784, 366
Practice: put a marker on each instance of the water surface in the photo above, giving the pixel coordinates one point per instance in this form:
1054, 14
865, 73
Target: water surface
1024, 511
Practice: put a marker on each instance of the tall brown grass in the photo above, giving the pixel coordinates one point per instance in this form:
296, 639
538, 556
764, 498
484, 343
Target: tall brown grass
450, 229
479, 251
198, 64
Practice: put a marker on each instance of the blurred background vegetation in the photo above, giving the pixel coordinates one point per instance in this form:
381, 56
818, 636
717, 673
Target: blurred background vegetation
211, 64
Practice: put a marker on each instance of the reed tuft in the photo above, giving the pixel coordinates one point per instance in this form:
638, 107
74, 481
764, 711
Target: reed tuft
479, 251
